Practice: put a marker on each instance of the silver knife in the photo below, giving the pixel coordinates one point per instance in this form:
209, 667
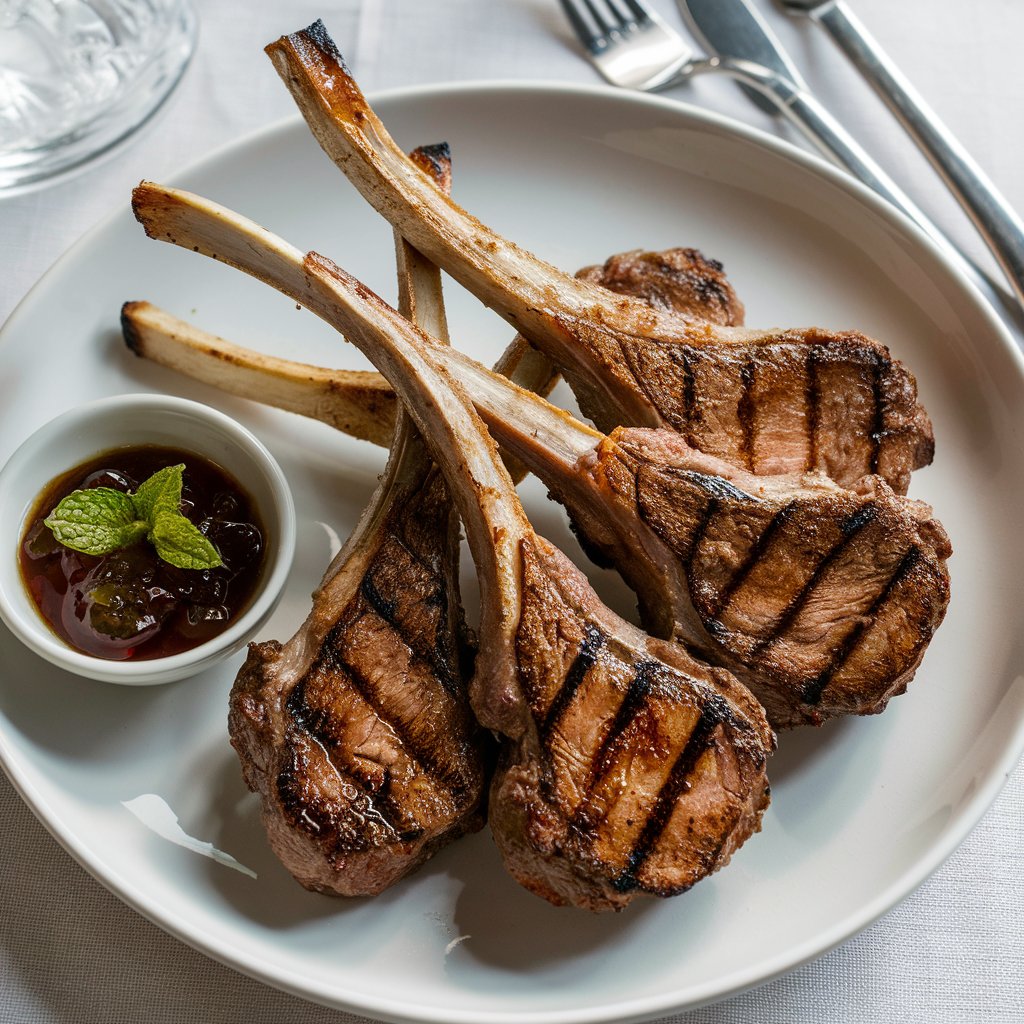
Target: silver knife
734, 31
993, 216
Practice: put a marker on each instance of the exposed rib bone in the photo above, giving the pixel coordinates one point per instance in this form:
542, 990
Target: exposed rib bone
361, 403
357, 402
356, 733
628, 766
850, 586
769, 401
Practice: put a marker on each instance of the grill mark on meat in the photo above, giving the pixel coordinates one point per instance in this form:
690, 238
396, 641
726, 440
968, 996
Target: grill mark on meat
856, 521
770, 407
746, 411
629, 351
678, 782
317, 724
815, 689
593, 641
599, 779
422, 755
384, 608
636, 694
811, 400
710, 510
600, 776
681, 357
740, 565
362, 822
442, 657
850, 527
364, 801
585, 819
716, 487
754, 555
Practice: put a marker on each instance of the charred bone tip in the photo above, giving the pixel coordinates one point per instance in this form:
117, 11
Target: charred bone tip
317, 36
436, 161
129, 330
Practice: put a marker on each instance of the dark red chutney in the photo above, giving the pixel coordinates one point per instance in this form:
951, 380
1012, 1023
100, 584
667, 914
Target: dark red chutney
131, 603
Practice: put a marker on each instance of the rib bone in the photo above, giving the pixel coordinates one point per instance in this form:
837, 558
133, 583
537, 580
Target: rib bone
357, 402
627, 765
361, 403
768, 401
821, 599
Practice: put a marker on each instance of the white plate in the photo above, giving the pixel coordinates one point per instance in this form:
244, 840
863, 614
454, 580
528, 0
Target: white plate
863, 810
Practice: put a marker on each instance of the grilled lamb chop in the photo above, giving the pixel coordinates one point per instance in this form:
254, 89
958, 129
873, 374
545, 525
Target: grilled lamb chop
820, 598
767, 401
627, 766
357, 733
361, 403
679, 281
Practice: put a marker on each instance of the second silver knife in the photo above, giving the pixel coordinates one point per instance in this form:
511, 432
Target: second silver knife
732, 29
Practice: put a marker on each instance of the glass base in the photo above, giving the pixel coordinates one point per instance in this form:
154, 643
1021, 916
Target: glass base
79, 76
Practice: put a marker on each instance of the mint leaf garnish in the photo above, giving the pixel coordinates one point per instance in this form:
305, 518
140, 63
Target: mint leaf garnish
96, 521
178, 541
161, 492
99, 520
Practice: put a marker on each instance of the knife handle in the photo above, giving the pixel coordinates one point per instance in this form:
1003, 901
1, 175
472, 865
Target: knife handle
993, 216
835, 142
823, 130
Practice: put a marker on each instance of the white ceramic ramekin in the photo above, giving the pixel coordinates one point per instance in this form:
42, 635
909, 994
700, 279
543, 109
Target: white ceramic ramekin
89, 430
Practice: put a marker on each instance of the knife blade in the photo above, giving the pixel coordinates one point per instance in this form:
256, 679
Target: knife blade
736, 30
732, 30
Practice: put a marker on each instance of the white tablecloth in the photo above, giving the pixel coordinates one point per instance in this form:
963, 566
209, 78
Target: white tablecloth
953, 952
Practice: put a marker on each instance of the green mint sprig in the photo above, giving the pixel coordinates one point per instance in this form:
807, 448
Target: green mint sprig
99, 520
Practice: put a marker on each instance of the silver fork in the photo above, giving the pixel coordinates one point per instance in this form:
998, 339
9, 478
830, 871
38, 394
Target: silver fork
629, 44
632, 47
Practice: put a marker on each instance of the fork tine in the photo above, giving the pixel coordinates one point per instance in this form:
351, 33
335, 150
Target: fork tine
629, 14
606, 26
640, 13
583, 29
628, 43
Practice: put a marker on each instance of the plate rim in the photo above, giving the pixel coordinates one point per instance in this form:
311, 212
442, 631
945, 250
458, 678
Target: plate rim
971, 810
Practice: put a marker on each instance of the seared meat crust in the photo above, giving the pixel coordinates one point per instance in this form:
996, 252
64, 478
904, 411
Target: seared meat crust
680, 280
641, 770
821, 599
783, 402
368, 759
